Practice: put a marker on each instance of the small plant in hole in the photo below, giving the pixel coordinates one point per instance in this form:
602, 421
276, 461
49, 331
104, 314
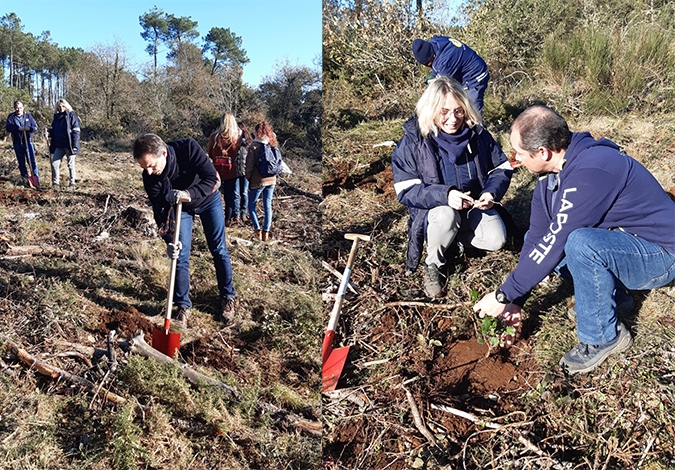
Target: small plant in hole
493, 331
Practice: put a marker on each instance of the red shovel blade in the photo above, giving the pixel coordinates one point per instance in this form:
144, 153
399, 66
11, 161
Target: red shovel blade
333, 362
33, 181
166, 343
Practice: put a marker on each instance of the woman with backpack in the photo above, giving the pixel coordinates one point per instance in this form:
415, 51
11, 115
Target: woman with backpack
65, 141
225, 148
263, 163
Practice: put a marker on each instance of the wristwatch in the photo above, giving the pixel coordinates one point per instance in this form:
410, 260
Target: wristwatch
501, 297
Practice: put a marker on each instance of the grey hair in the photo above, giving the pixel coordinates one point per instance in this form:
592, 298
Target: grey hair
431, 102
541, 127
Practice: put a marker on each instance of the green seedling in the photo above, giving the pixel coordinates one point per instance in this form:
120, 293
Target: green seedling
494, 332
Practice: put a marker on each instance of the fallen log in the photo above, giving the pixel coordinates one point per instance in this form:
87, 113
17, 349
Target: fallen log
138, 345
56, 373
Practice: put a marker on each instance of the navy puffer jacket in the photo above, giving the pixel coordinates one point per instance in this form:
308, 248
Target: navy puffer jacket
420, 182
65, 132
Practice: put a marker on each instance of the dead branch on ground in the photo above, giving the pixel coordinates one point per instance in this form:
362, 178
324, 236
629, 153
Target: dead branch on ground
529, 445
55, 373
417, 418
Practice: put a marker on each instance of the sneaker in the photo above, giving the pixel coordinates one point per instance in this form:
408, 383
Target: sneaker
227, 310
624, 306
182, 316
432, 281
586, 357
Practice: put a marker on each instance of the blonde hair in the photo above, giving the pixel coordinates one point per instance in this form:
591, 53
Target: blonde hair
64, 103
228, 129
431, 102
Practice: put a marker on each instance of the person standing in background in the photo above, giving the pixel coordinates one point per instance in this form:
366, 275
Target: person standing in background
65, 141
241, 184
261, 184
22, 126
224, 149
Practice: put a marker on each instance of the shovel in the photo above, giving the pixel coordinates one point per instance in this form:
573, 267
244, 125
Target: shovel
163, 340
333, 360
33, 180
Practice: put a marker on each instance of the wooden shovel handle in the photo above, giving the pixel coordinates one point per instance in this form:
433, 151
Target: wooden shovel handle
335, 314
174, 262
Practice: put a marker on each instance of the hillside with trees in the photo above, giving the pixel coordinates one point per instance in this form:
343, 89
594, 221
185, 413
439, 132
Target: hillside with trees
200, 80
422, 386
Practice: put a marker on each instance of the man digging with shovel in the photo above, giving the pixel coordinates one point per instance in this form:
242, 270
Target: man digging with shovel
181, 171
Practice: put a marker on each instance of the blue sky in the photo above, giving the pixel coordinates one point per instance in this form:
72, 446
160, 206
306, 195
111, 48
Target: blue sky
272, 31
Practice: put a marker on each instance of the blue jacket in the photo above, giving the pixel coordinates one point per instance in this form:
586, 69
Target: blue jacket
599, 186
187, 168
457, 60
13, 124
65, 132
423, 179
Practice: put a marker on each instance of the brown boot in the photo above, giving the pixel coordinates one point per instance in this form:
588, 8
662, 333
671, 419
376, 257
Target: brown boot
265, 235
257, 234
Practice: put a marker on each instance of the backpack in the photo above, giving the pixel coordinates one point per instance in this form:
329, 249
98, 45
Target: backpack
269, 160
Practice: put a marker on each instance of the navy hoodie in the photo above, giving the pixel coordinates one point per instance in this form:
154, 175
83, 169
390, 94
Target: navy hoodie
599, 186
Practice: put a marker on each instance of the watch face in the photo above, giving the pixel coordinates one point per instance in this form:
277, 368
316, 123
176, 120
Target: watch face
501, 298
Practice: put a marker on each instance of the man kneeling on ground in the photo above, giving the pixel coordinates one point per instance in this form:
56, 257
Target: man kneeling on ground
599, 219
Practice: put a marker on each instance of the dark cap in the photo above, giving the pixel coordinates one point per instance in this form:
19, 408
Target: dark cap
423, 51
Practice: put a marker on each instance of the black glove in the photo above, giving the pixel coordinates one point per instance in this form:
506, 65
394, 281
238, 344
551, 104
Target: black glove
172, 251
175, 195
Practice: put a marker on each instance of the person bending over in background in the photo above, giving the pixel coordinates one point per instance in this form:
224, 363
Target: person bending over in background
22, 126
449, 171
65, 141
181, 169
260, 184
599, 219
449, 57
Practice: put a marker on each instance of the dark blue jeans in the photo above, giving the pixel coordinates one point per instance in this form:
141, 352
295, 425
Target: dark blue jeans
211, 215
599, 262
240, 196
21, 155
253, 196
228, 189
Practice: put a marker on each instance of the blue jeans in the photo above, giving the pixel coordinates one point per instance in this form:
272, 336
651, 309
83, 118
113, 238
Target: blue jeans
600, 261
228, 188
253, 196
21, 156
213, 223
240, 196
